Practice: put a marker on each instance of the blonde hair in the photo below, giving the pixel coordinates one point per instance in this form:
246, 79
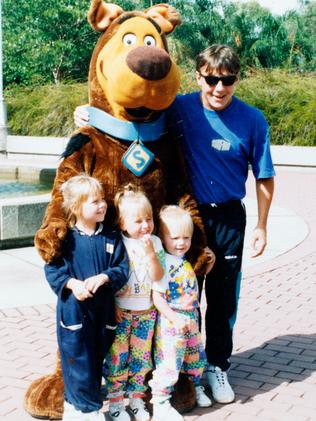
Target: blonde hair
129, 197
75, 192
173, 215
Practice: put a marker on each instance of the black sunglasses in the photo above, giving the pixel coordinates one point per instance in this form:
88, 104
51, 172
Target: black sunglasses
228, 80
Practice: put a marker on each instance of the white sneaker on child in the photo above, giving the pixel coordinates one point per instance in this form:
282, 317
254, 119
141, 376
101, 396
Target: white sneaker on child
219, 384
117, 411
93, 416
202, 400
71, 413
163, 411
137, 406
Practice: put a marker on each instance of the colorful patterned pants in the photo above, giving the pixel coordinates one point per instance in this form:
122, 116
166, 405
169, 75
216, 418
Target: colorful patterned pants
175, 352
130, 357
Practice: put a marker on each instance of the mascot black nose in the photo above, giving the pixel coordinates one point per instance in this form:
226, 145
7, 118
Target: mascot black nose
150, 63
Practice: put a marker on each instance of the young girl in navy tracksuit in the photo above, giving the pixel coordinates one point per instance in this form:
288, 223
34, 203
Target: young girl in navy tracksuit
92, 268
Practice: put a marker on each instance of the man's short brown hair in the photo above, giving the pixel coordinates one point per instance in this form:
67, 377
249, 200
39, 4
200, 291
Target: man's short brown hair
218, 57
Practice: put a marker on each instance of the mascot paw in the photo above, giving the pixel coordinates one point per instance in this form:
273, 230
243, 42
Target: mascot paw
44, 398
201, 264
184, 397
49, 239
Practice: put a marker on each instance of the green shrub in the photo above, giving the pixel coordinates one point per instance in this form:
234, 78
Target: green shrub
44, 110
287, 100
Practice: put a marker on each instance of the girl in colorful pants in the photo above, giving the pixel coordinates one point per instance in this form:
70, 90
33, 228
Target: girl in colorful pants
129, 359
178, 342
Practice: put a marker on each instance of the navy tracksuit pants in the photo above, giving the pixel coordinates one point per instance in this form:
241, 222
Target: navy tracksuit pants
84, 334
225, 230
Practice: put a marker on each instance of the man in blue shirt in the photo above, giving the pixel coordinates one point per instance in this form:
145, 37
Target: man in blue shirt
220, 136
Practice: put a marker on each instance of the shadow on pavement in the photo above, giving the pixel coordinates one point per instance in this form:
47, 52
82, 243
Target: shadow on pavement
278, 363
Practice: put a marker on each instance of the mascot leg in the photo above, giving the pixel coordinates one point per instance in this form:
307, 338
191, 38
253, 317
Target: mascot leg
44, 398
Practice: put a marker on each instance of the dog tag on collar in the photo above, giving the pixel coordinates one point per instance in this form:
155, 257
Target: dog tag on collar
137, 158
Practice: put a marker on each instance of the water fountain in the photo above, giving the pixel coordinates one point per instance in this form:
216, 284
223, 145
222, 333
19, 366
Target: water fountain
26, 177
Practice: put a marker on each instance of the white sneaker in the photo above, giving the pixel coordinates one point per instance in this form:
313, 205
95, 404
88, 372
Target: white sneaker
137, 406
71, 413
163, 411
202, 400
218, 382
93, 416
117, 411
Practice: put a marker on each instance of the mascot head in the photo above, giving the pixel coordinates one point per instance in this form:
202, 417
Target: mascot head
132, 75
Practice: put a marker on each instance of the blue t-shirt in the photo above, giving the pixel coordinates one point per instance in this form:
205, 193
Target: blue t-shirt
219, 145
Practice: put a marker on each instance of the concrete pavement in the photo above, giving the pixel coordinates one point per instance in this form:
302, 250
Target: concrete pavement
274, 361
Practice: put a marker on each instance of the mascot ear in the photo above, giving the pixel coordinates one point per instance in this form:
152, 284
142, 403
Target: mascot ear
101, 14
166, 16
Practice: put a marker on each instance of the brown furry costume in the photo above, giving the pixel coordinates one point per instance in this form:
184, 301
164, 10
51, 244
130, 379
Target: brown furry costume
132, 78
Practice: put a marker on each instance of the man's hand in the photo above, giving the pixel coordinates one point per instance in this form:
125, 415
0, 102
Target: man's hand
81, 116
259, 242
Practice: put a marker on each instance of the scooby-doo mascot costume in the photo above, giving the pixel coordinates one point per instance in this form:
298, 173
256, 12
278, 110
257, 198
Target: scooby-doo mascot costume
132, 79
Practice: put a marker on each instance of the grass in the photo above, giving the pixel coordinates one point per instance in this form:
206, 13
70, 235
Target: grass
287, 100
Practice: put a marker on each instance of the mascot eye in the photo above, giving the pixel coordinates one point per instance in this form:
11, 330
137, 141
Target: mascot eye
129, 39
149, 41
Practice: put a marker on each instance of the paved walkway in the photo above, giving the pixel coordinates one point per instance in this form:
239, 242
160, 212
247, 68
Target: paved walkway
274, 361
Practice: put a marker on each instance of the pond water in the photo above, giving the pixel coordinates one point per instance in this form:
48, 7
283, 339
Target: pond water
17, 189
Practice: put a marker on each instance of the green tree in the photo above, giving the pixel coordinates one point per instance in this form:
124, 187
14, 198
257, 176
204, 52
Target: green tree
46, 40
51, 41
261, 39
301, 27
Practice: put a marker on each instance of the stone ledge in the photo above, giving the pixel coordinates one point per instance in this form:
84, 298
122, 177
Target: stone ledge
34, 148
34, 145
20, 218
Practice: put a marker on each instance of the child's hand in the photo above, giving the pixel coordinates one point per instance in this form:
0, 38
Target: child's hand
210, 260
94, 282
78, 289
182, 323
155, 270
148, 245
118, 314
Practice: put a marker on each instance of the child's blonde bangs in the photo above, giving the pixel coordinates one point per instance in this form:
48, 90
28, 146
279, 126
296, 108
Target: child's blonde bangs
137, 203
174, 216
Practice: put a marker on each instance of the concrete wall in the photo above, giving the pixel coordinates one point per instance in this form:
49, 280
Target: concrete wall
20, 218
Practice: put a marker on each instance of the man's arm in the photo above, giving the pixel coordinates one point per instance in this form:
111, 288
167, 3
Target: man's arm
264, 189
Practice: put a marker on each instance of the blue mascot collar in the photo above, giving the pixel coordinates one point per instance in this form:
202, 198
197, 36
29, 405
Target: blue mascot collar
126, 130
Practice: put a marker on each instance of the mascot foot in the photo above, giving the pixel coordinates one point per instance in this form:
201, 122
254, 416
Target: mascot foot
44, 399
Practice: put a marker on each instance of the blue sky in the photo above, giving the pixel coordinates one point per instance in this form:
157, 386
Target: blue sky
277, 6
